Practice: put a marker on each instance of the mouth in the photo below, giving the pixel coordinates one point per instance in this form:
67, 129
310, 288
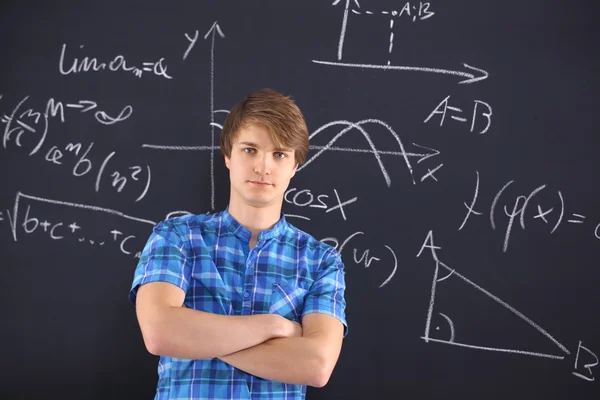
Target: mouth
260, 183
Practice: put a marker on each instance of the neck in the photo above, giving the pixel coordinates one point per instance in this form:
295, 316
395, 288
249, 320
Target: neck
255, 219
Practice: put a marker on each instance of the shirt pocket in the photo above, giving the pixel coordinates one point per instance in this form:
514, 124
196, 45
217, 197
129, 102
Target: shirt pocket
287, 301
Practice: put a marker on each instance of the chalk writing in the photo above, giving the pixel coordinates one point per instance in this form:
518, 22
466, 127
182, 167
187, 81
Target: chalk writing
371, 148
191, 45
118, 63
347, 126
344, 25
212, 32
24, 219
364, 258
479, 108
83, 165
583, 369
305, 198
102, 116
35, 123
409, 10
587, 374
421, 13
472, 74
30, 128
519, 208
428, 243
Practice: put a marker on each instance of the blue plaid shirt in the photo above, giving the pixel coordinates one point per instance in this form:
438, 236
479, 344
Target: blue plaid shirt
288, 272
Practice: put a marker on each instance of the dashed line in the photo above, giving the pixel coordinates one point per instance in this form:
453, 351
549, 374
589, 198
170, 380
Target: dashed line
391, 45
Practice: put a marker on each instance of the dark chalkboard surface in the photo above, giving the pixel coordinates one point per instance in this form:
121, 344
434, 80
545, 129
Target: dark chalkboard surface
453, 158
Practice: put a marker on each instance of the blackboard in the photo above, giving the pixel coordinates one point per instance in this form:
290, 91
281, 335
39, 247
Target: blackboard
453, 160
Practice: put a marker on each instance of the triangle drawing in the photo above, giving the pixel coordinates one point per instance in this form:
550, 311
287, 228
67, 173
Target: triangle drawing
444, 276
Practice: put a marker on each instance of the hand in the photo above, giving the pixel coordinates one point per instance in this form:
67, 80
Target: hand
287, 328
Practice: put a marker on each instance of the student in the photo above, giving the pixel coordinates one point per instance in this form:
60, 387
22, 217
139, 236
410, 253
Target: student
240, 304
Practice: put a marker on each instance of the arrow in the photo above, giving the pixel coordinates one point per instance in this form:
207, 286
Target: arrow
420, 156
344, 25
471, 77
214, 29
424, 157
91, 104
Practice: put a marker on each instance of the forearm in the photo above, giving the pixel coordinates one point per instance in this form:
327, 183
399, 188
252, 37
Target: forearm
185, 333
295, 360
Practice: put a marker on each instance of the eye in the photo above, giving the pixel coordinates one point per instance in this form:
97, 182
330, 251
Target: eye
279, 154
249, 150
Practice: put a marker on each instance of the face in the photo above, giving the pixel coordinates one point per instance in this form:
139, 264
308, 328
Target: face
259, 172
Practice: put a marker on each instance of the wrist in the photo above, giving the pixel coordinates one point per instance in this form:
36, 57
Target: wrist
275, 326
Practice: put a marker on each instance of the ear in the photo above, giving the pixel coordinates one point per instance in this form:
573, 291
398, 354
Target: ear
294, 170
227, 161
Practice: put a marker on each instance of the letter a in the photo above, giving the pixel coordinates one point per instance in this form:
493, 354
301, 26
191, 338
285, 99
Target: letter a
405, 8
445, 103
431, 246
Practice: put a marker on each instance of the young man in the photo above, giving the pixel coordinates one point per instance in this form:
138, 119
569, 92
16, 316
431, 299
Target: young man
240, 304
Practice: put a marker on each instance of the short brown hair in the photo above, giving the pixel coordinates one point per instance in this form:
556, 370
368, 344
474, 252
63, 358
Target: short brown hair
279, 114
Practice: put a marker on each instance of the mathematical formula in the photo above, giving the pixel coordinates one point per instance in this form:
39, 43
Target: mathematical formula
516, 212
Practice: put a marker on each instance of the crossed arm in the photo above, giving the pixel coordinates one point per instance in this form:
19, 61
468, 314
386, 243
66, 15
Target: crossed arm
265, 345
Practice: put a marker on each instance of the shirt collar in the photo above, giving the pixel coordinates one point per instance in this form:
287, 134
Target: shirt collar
244, 234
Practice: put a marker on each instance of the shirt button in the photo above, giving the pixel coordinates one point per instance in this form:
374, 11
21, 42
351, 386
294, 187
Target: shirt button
246, 294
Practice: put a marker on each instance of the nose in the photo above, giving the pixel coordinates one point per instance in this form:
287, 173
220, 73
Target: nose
263, 165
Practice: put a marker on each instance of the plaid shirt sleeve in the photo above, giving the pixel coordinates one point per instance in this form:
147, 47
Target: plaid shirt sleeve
326, 294
164, 259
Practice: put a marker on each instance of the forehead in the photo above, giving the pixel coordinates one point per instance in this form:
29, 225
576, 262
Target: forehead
257, 134
253, 131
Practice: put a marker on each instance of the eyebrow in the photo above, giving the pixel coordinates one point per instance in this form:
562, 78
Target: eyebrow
252, 144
